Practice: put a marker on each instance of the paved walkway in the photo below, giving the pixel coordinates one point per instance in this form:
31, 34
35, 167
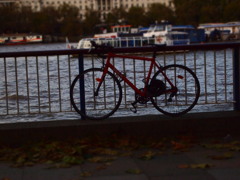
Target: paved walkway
195, 164
202, 161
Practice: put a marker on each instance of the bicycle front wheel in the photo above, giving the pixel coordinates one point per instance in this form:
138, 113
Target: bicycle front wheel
186, 95
98, 105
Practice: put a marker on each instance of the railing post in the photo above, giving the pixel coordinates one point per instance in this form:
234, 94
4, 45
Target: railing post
81, 84
236, 78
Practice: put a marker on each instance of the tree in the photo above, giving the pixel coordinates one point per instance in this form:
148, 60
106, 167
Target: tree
159, 12
24, 19
195, 11
68, 17
92, 19
118, 15
231, 11
188, 11
46, 21
8, 18
136, 16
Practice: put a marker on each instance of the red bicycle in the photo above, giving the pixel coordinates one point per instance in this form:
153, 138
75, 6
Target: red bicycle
173, 90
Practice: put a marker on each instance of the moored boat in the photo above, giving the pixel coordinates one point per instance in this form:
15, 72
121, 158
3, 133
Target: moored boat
163, 34
116, 42
125, 36
15, 39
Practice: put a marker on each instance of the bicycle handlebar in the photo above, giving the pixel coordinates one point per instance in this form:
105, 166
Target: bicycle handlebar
102, 46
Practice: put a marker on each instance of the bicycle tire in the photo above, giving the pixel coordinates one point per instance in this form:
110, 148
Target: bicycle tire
187, 95
105, 103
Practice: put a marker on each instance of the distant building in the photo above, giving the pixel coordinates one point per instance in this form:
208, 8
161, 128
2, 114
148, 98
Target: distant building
104, 6
6, 2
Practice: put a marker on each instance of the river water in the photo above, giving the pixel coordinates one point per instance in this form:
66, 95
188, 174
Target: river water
206, 65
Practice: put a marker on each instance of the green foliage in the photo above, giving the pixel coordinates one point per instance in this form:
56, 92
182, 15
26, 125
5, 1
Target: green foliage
8, 17
118, 15
231, 11
104, 150
66, 20
92, 19
158, 12
195, 12
136, 16
62, 21
45, 22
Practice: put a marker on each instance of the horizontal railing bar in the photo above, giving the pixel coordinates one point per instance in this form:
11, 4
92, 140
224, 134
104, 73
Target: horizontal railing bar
38, 82
207, 46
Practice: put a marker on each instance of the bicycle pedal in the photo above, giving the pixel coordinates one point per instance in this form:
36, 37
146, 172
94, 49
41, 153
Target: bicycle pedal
134, 109
169, 100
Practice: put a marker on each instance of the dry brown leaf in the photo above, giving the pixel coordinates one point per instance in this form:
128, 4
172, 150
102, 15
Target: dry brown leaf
227, 155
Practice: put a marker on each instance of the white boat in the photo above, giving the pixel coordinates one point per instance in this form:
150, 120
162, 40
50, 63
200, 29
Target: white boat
158, 30
157, 34
117, 42
163, 34
172, 38
226, 31
14, 39
176, 38
119, 31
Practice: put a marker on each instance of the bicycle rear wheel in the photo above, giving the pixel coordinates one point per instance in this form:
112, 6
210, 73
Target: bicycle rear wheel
188, 90
99, 106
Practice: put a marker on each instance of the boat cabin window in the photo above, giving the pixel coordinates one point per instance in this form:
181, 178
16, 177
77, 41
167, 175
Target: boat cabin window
124, 28
160, 28
178, 36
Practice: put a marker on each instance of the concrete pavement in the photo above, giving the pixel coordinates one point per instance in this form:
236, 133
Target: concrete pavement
195, 163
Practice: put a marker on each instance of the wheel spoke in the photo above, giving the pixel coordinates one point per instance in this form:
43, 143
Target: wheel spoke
100, 103
186, 96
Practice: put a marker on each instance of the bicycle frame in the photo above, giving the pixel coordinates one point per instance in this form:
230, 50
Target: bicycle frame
126, 80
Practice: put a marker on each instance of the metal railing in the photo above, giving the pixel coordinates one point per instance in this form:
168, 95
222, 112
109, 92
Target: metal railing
38, 82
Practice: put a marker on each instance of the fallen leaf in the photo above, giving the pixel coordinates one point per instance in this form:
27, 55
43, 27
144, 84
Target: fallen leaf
180, 146
158, 145
133, 171
101, 159
200, 166
235, 148
195, 166
104, 166
86, 174
5, 178
147, 155
101, 167
183, 166
227, 155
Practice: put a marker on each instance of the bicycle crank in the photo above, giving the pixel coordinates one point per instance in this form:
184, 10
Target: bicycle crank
134, 109
138, 99
172, 95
